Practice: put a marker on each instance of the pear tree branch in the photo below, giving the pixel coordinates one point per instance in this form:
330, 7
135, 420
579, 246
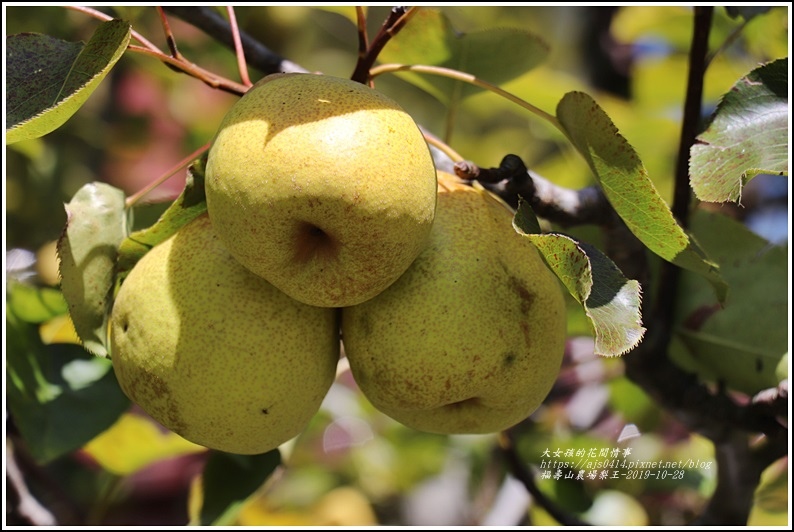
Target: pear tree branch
519, 469
563, 206
361, 26
175, 61
213, 24
397, 19
715, 415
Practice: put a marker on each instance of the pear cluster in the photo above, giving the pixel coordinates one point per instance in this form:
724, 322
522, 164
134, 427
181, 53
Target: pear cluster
326, 221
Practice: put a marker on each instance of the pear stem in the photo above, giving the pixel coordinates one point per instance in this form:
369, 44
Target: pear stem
242, 66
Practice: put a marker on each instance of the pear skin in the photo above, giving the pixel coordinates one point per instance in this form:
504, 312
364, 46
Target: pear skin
471, 338
215, 353
322, 186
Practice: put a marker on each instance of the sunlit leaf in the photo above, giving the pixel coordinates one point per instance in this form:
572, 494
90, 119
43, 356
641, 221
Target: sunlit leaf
96, 224
59, 330
742, 343
134, 442
229, 480
48, 80
429, 39
628, 188
747, 136
611, 301
190, 203
59, 396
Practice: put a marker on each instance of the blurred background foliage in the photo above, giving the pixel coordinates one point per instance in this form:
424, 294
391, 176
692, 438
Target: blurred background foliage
354, 466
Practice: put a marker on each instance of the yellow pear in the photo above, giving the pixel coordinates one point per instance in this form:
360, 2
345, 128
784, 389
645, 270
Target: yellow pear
470, 339
215, 353
322, 186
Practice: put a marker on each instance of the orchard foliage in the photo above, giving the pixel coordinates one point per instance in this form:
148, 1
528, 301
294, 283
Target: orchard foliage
639, 195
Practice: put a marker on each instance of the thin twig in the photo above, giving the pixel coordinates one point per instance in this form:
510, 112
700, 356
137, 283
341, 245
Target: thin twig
211, 79
238, 47
213, 24
133, 199
397, 19
102, 16
175, 62
730, 39
466, 78
169, 35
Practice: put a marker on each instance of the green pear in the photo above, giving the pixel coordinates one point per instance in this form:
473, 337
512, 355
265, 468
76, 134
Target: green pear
215, 353
470, 339
322, 186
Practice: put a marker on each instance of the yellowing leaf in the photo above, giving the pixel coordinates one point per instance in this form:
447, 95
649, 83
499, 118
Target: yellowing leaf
135, 442
59, 330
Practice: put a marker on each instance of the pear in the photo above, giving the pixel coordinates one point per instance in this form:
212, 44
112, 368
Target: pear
215, 353
470, 339
322, 186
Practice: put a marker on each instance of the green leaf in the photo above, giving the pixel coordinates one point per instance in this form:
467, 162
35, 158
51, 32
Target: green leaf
347, 11
743, 342
429, 39
190, 204
230, 479
610, 301
48, 80
622, 176
96, 224
59, 396
746, 12
747, 136
34, 304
